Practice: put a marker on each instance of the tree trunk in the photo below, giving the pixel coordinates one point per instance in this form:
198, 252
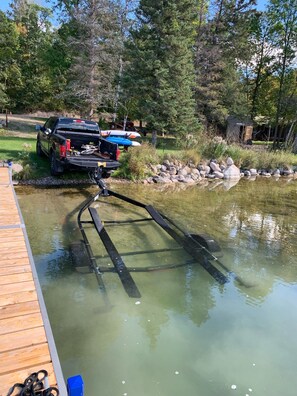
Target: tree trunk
125, 122
290, 135
154, 138
118, 89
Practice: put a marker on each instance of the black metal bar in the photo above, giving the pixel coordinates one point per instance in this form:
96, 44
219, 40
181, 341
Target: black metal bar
145, 252
119, 222
124, 274
129, 200
94, 267
188, 245
160, 267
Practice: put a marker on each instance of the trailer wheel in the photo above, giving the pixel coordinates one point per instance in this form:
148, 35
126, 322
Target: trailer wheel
208, 242
55, 171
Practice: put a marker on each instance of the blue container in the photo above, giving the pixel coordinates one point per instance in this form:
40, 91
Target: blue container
75, 386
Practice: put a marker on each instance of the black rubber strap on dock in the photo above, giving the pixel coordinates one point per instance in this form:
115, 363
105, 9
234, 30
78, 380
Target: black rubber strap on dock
188, 245
124, 274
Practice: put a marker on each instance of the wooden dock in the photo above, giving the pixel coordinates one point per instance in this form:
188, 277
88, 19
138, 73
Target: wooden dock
26, 340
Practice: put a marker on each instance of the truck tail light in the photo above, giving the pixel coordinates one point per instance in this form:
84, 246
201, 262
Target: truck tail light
63, 151
65, 148
118, 153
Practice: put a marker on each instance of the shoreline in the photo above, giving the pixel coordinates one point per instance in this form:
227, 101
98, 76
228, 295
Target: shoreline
51, 181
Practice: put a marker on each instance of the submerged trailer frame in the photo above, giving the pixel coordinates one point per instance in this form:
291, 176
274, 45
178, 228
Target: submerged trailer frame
199, 247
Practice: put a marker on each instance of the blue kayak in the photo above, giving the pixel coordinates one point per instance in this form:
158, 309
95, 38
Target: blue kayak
119, 140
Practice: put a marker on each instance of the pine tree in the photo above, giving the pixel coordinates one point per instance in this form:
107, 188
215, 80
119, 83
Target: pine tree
222, 43
161, 71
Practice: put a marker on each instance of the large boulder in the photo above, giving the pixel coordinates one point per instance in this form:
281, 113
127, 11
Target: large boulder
232, 172
160, 179
17, 168
172, 170
214, 166
218, 175
230, 161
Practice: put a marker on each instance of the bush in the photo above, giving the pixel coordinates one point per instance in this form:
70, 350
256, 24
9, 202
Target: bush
135, 162
27, 173
191, 156
276, 159
249, 159
214, 148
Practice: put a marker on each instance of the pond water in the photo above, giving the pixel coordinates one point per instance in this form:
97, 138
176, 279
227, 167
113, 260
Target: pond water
187, 334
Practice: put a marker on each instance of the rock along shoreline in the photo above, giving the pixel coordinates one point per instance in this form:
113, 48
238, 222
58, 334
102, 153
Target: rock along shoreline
176, 172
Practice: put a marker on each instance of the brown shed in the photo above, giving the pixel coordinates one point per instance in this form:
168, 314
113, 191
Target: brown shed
239, 130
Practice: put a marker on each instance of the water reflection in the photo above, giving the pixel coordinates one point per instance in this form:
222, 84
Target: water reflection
188, 333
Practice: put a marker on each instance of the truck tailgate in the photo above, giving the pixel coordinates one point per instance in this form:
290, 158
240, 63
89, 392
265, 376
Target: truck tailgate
91, 162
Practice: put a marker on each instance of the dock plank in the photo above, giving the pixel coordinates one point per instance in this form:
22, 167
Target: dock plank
14, 287
23, 308
19, 297
12, 261
15, 278
21, 339
22, 322
24, 357
16, 255
19, 269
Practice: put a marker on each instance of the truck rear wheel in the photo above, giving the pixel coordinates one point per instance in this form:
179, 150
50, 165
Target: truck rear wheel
55, 170
39, 152
106, 175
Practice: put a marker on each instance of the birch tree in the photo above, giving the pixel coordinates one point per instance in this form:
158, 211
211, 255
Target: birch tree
93, 46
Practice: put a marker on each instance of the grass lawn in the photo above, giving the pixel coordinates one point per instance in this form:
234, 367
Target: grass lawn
165, 144
22, 150
14, 147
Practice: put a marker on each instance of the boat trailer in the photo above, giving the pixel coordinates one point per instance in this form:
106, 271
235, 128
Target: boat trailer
200, 248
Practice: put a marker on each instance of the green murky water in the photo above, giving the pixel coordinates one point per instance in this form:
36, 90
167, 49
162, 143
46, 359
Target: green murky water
189, 335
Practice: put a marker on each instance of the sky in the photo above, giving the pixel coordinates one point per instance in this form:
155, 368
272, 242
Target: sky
4, 4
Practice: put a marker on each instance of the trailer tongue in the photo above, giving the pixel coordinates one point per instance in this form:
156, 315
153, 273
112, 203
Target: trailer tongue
200, 248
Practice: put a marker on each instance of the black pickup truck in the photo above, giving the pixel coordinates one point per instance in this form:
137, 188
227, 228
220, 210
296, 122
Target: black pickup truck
74, 143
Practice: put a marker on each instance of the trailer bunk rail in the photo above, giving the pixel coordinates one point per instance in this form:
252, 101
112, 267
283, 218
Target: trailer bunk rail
199, 247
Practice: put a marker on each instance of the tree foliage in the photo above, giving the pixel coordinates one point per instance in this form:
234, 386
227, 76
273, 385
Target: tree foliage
161, 69
178, 65
9, 68
92, 44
